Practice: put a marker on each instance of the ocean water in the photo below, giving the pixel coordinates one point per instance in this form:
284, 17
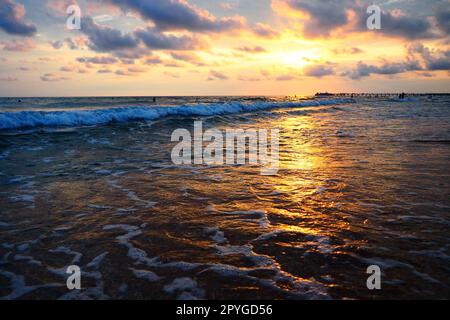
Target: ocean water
90, 182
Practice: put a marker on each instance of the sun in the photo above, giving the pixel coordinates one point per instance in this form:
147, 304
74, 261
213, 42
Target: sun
296, 59
293, 59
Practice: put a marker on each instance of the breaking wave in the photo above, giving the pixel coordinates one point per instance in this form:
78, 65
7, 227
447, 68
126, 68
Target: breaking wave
30, 119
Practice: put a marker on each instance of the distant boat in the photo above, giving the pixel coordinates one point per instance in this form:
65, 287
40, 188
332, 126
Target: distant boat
323, 94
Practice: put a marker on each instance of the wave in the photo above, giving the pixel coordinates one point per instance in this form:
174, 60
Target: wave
31, 119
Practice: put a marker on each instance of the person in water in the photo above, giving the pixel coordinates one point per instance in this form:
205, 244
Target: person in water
402, 96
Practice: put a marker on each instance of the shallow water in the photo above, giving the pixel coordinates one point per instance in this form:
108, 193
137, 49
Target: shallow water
361, 182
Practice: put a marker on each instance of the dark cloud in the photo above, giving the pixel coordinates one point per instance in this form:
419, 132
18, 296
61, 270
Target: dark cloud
433, 60
443, 19
398, 24
132, 54
323, 16
180, 15
12, 19
365, 70
156, 40
103, 38
326, 16
57, 44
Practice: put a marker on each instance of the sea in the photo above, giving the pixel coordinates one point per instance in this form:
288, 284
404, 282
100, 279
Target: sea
363, 183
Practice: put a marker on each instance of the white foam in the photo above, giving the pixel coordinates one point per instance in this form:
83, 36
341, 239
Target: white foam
132, 195
216, 235
146, 275
18, 286
28, 259
139, 255
23, 119
322, 243
186, 288
96, 262
76, 255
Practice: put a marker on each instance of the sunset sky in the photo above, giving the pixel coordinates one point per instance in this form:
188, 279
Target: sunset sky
234, 47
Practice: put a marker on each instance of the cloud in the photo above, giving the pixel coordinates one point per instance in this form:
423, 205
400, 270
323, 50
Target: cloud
265, 31
103, 71
153, 60
104, 38
434, 60
318, 71
398, 24
73, 44
66, 69
172, 74
136, 69
173, 64
322, 16
21, 45
286, 77
250, 78
365, 70
57, 44
8, 79
127, 73
156, 40
72, 68
98, 60
351, 50
12, 19
180, 15
131, 54
51, 77
216, 75
188, 57
255, 49
443, 18
419, 58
